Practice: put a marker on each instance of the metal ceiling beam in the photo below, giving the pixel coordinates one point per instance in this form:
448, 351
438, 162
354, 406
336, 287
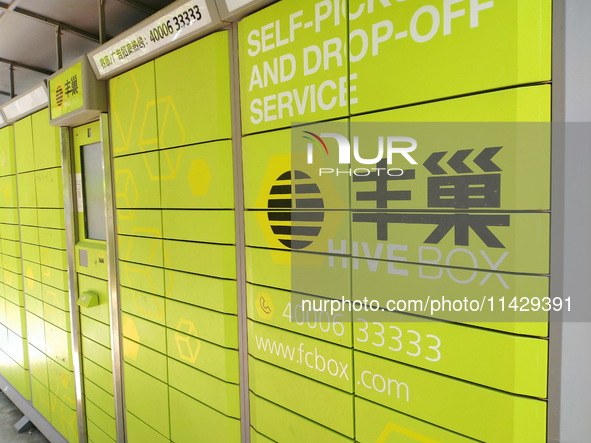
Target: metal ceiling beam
64, 26
11, 7
102, 21
139, 6
25, 66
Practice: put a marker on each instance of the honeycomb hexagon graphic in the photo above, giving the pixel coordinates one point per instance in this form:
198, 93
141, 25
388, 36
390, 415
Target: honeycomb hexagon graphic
187, 346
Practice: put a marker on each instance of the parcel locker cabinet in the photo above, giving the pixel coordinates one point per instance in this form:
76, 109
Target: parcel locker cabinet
14, 360
44, 272
91, 279
273, 261
175, 227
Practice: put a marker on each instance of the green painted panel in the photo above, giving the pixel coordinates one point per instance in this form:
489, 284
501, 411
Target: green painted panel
217, 394
58, 345
18, 377
137, 181
101, 419
99, 397
7, 163
30, 252
192, 421
56, 297
147, 251
14, 295
54, 277
34, 306
256, 437
142, 304
205, 226
40, 398
194, 103
52, 238
12, 280
95, 330
209, 292
10, 215
142, 393
61, 383
525, 104
56, 317
201, 258
303, 396
50, 218
10, 232
144, 332
46, 141
141, 277
487, 414
143, 223
374, 423
139, 431
50, 192
23, 138
15, 322
12, 264
212, 326
98, 375
197, 176
100, 354
29, 234
8, 191
38, 366
133, 111
145, 359
36, 331
203, 355
27, 194
63, 418
424, 36
96, 434
53, 257
283, 425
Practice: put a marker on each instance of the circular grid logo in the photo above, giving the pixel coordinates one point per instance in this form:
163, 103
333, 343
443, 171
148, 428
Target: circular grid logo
59, 95
295, 209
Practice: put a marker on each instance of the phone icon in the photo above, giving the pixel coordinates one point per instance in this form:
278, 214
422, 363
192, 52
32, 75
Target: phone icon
266, 308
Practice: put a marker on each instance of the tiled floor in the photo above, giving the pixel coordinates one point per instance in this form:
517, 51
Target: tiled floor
9, 415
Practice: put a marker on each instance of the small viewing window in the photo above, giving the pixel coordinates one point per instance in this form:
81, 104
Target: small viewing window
94, 191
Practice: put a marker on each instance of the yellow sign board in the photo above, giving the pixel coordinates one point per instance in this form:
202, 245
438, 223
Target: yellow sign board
66, 91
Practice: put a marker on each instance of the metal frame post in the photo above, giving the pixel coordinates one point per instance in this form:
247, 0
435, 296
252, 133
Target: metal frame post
71, 230
113, 278
240, 235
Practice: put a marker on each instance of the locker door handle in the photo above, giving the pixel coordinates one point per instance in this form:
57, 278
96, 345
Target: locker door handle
88, 299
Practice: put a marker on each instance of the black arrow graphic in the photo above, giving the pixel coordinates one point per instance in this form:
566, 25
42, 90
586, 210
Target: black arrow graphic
484, 159
432, 163
457, 161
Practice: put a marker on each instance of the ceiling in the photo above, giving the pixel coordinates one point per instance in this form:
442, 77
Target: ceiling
28, 34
